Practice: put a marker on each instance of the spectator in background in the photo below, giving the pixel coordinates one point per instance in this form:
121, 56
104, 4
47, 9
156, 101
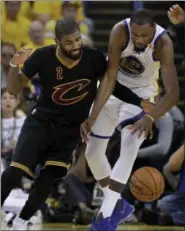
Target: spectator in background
7, 52
179, 132
51, 10
171, 207
36, 34
15, 27
10, 125
25, 9
68, 10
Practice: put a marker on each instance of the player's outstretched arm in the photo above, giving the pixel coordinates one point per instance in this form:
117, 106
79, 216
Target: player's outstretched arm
16, 81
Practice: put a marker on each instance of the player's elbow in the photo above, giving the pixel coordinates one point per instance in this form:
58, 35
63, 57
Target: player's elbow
176, 94
111, 75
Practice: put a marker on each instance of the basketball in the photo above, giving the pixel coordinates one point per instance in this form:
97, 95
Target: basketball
147, 184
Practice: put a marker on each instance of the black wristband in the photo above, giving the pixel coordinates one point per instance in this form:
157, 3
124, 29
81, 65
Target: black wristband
125, 94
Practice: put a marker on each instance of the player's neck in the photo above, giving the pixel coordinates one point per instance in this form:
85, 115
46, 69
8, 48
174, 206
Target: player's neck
66, 59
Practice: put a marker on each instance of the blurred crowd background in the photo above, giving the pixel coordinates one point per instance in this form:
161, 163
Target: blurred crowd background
76, 198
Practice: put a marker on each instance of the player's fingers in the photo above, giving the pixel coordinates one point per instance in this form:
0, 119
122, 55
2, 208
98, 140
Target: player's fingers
169, 14
175, 6
141, 130
28, 51
135, 129
86, 133
146, 131
82, 133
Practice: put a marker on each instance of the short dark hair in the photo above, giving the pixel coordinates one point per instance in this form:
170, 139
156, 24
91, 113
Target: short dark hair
65, 27
142, 16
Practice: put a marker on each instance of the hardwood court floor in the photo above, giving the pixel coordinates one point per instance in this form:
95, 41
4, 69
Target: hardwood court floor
64, 226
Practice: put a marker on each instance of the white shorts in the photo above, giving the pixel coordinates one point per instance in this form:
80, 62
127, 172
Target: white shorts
116, 112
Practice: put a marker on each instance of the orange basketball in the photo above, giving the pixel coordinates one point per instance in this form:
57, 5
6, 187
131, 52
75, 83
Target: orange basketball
147, 184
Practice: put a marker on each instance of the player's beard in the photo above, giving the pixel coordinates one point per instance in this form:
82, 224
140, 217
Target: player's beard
69, 55
139, 50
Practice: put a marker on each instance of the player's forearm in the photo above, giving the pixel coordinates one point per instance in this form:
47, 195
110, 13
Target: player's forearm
169, 100
125, 94
179, 28
105, 89
14, 82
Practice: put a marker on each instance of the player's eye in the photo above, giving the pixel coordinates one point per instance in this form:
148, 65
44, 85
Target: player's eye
78, 39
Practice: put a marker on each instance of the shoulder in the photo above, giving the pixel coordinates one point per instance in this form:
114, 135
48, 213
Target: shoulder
119, 33
93, 53
46, 50
163, 41
120, 27
163, 45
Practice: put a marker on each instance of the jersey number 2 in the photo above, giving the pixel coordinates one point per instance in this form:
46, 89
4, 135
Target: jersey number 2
59, 73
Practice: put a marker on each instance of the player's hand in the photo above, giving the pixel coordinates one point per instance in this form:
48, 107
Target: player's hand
85, 129
176, 14
21, 56
147, 105
144, 125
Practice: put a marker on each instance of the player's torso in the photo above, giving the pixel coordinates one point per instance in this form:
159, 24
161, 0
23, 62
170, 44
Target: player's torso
137, 70
66, 88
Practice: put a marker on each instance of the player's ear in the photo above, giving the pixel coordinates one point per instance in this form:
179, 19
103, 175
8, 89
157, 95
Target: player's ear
57, 42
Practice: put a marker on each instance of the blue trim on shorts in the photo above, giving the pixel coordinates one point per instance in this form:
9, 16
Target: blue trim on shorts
100, 137
129, 121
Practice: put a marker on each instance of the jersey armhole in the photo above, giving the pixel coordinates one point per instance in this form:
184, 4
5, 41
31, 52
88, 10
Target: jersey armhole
125, 26
155, 43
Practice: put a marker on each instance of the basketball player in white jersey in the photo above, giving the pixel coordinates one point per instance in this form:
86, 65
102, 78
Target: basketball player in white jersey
138, 49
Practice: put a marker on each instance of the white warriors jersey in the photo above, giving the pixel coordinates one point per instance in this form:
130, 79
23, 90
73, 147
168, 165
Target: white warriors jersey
138, 70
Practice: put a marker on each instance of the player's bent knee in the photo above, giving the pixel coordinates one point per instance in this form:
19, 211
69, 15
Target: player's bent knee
130, 140
12, 175
57, 171
96, 147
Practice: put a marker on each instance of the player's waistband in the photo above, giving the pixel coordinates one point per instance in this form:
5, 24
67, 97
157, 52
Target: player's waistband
129, 121
53, 118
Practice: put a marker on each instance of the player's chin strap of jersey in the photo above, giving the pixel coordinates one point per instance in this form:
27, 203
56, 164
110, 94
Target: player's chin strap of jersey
129, 121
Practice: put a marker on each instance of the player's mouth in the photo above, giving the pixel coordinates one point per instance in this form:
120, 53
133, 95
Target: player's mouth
140, 46
76, 52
